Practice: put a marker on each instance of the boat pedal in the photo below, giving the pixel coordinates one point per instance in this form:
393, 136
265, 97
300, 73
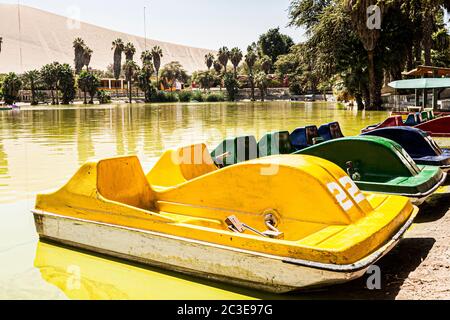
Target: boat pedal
235, 225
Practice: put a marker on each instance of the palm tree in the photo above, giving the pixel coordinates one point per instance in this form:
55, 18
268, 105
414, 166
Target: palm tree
224, 56
87, 55
31, 79
83, 83
118, 47
236, 58
157, 56
209, 60
130, 51
144, 80
79, 47
130, 69
250, 59
218, 68
266, 63
369, 38
146, 57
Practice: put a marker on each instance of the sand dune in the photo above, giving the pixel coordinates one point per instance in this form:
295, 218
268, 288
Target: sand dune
46, 37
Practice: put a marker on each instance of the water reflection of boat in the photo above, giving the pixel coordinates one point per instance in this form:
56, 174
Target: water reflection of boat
88, 277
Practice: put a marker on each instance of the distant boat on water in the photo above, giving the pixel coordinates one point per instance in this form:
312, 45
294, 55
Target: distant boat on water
9, 107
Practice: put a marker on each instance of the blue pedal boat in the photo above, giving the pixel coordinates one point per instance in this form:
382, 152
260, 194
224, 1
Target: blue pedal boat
417, 143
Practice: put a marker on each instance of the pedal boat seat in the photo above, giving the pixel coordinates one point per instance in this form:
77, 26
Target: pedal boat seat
412, 120
275, 143
235, 150
304, 137
331, 131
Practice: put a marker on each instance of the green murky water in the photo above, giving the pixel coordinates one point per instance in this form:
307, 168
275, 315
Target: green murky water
41, 148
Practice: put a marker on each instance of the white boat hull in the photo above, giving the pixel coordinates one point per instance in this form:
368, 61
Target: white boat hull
243, 268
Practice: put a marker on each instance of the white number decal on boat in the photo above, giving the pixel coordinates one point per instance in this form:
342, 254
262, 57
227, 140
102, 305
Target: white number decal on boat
353, 190
340, 195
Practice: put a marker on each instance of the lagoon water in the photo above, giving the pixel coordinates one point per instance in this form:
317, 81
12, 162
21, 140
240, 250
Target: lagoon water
41, 148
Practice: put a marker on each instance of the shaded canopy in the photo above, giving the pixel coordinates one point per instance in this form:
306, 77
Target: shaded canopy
424, 83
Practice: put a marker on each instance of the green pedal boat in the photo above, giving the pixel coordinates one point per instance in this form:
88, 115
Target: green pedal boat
376, 164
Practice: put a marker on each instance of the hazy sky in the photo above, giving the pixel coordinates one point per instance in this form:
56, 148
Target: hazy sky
200, 23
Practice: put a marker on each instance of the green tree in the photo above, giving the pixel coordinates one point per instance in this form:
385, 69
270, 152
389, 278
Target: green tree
430, 9
49, 75
273, 44
66, 82
236, 58
218, 69
130, 51
157, 56
145, 83
79, 47
83, 83
87, 55
172, 72
118, 46
369, 38
262, 83
11, 87
265, 64
147, 57
223, 56
250, 59
89, 84
232, 85
31, 81
209, 60
130, 68
204, 78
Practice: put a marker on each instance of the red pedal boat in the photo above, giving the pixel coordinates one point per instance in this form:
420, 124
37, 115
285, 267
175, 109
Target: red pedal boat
437, 127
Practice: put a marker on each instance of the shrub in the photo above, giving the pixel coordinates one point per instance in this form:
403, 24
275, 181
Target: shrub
232, 86
185, 96
162, 96
103, 97
172, 97
215, 97
198, 96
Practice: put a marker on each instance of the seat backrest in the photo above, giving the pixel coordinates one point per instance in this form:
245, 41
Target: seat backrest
419, 117
331, 131
123, 180
275, 143
236, 150
181, 165
304, 137
412, 120
430, 115
425, 116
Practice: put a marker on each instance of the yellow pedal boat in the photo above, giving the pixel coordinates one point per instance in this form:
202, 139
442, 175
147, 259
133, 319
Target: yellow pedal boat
278, 224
